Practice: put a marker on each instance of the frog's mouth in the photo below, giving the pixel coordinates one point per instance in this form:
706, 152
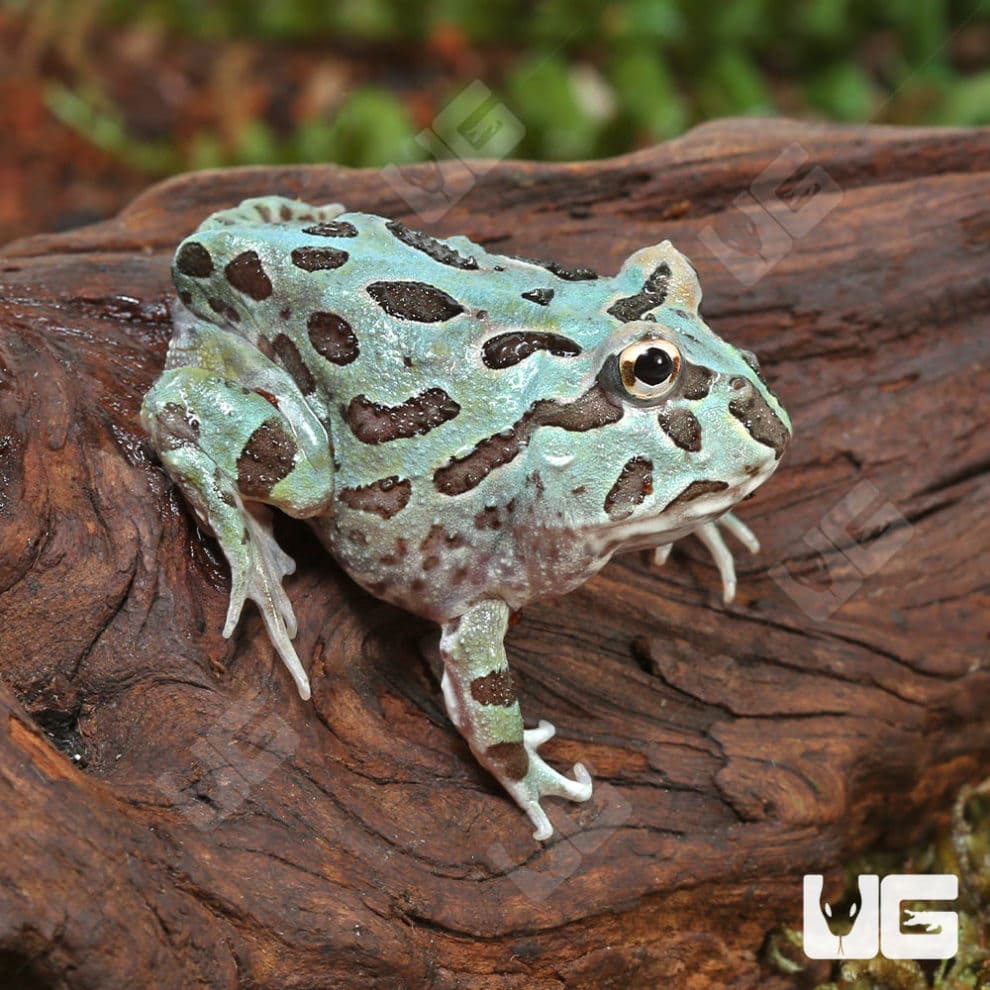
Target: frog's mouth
699, 503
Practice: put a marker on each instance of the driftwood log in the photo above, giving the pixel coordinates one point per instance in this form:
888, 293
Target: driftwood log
173, 816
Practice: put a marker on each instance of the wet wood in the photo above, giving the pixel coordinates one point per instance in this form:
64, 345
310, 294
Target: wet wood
174, 815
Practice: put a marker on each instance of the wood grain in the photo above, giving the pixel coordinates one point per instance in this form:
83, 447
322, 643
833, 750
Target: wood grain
174, 815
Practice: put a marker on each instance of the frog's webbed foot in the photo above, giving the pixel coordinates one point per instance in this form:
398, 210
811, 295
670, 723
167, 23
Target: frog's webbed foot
710, 535
480, 695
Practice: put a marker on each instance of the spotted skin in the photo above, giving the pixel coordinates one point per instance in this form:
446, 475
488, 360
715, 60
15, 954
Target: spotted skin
374, 422
633, 485
316, 259
385, 497
332, 337
650, 296
498, 687
508, 349
681, 426
455, 427
246, 274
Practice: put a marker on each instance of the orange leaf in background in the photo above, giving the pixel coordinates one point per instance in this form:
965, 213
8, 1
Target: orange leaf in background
448, 41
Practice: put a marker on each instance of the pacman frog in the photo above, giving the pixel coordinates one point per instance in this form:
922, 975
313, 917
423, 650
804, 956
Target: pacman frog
464, 431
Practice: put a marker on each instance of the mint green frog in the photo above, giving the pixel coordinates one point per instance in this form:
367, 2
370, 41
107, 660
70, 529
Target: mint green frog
464, 431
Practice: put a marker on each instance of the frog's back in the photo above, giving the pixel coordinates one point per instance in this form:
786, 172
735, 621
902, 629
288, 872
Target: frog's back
271, 265
370, 317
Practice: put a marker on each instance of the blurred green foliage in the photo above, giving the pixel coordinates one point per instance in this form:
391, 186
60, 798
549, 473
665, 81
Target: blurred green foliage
586, 79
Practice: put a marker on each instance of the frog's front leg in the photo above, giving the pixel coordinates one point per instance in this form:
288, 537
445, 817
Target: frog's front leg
480, 695
710, 535
230, 449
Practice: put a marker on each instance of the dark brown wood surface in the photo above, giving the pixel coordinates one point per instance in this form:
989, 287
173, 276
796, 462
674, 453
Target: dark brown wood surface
174, 816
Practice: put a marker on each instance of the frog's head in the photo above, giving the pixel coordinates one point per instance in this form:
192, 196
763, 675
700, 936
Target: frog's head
693, 427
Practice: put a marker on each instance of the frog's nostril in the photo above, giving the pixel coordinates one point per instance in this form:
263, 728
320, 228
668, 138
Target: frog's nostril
737, 383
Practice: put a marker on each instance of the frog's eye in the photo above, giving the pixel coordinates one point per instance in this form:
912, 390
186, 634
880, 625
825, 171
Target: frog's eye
648, 369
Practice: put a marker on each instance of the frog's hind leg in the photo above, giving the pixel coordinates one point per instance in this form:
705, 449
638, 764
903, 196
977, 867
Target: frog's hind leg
231, 450
480, 695
263, 211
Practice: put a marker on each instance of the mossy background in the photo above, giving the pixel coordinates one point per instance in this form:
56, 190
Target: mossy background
126, 93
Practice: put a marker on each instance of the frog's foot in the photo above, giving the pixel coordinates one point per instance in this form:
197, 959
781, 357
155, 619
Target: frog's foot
257, 567
480, 694
542, 781
232, 452
709, 534
263, 211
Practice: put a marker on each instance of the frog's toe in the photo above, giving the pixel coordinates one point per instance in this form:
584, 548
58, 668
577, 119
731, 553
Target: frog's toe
722, 555
288, 616
257, 568
537, 737
276, 611
710, 534
661, 553
551, 782
734, 525
238, 596
557, 785
541, 781
539, 818
242, 569
280, 637
280, 621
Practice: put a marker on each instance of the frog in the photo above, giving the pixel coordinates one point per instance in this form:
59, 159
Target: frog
464, 431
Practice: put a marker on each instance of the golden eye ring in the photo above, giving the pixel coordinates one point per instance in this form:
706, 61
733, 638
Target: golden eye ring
649, 369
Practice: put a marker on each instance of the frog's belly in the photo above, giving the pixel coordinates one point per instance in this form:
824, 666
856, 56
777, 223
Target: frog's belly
439, 574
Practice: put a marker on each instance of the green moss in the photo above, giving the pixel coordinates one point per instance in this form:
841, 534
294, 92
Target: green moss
586, 79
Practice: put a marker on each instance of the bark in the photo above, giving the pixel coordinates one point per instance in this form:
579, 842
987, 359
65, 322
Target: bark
174, 815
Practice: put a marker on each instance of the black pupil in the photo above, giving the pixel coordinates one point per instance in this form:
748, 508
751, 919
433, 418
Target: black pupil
653, 366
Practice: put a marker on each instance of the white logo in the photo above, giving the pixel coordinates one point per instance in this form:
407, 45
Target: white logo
873, 922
